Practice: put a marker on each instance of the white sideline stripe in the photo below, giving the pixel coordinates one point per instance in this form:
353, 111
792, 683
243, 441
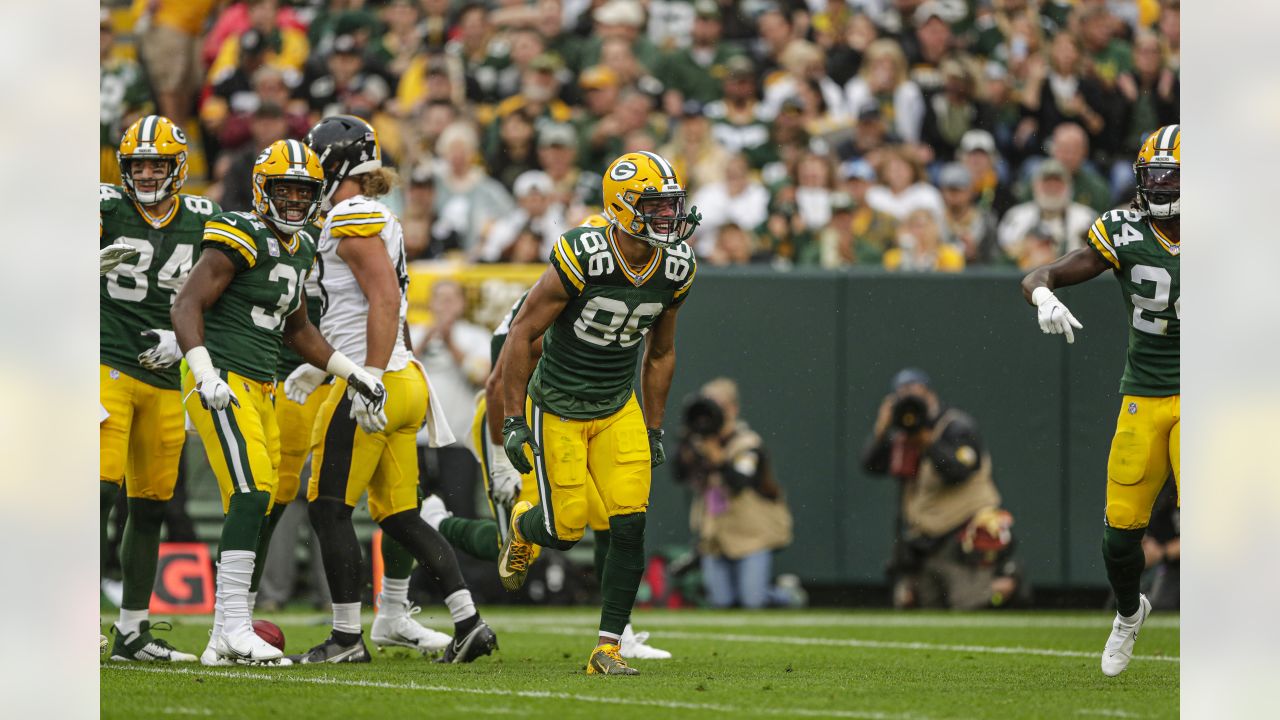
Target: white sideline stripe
283, 675
841, 642
185, 711
1109, 713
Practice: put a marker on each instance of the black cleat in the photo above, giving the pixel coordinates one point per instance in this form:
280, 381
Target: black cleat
479, 642
332, 651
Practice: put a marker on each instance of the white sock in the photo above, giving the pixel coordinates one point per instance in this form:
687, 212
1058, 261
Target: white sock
236, 572
612, 637
130, 620
395, 597
346, 617
217, 606
253, 601
461, 606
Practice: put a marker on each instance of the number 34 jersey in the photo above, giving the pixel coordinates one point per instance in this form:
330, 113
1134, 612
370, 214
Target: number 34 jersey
589, 353
1146, 264
136, 295
244, 330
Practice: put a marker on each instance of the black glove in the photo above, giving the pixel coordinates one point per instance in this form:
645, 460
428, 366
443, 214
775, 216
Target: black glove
657, 455
515, 435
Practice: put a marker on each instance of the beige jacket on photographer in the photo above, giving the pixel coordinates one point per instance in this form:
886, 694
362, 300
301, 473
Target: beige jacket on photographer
735, 525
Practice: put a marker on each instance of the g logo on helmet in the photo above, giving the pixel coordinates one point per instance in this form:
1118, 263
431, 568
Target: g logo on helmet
262, 156
179, 135
624, 170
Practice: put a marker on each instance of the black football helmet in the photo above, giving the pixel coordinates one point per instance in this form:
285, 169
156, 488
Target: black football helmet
346, 145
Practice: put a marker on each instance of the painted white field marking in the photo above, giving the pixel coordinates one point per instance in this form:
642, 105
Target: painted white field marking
1109, 713
185, 711
842, 642
285, 676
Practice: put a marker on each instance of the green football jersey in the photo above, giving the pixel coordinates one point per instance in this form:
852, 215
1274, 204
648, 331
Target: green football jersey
1146, 264
504, 328
244, 330
136, 295
290, 360
589, 353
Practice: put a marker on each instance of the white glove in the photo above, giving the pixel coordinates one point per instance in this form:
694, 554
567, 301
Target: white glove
215, 393
505, 483
165, 352
1054, 317
114, 254
368, 398
303, 381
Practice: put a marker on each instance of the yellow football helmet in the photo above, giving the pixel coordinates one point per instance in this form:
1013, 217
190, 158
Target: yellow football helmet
595, 220
1158, 173
153, 137
643, 197
285, 164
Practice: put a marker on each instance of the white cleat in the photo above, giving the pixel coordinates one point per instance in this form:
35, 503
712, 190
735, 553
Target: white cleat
246, 648
210, 658
401, 630
633, 646
433, 511
1119, 650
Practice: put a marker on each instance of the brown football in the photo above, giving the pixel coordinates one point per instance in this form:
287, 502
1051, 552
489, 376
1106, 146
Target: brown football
270, 632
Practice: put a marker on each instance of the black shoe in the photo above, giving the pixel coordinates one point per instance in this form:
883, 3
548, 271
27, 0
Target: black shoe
332, 651
479, 642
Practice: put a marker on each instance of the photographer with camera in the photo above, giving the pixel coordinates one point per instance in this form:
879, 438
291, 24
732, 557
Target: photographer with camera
738, 512
954, 546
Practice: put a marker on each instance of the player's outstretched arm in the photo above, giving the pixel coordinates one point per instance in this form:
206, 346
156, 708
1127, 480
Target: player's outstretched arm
655, 377
546, 301
1070, 269
206, 283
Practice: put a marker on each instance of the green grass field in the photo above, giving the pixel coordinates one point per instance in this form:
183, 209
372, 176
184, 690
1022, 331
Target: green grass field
863, 664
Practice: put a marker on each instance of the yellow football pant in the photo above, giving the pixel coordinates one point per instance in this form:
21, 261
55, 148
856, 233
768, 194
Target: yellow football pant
1147, 444
346, 460
243, 443
609, 454
142, 437
297, 424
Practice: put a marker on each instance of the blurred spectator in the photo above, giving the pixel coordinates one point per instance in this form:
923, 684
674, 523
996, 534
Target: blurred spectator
802, 64
539, 86
954, 546
774, 33
502, 73
268, 87
232, 90
844, 58
694, 72
1050, 209
966, 227
537, 213
469, 41
233, 174
1061, 92
1151, 93
621, 20
784, 232
738, 121
882, 81
467, 199
579, 191
1170, 28
603, 139
978, 153
838, 244
423, 129
1014, 29
515, 154
953, 110
903, 186
739, 199
698, 159
876, 231
733, 246
424, 236
123, 97
283, 45
870, 135
920, 247
455, 354
1070, 146
169, 46
928, 46
392, 51
336, 86
431, 78
738, 513
814, 183
1108, 55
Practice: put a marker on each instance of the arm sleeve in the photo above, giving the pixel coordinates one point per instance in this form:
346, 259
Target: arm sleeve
957, 453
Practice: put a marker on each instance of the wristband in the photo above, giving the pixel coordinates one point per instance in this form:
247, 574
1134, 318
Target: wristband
1040, 295
340, 366
198, 361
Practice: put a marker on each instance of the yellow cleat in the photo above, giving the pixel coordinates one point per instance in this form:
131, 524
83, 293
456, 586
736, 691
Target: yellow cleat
607, 660
517, 553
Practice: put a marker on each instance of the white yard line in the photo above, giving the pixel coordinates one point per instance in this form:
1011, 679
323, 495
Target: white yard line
285, 676
1103, 712
842, 642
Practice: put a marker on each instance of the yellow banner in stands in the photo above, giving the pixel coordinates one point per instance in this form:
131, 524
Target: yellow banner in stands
490, 289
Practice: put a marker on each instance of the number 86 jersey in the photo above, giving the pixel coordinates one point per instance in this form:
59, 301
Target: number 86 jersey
589, 353
1146, 264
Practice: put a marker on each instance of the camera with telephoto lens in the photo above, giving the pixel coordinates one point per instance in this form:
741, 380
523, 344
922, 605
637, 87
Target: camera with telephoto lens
703, 417
910, 413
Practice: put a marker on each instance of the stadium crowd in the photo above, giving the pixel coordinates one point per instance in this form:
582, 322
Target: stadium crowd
926, 135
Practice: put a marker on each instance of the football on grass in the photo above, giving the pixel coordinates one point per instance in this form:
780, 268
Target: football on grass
270, 632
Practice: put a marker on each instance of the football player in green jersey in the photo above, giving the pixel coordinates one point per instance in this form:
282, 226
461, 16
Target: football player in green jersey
245, 298
1141, 246
148, 235
573, 418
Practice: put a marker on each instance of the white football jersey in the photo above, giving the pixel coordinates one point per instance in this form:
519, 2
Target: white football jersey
344, 319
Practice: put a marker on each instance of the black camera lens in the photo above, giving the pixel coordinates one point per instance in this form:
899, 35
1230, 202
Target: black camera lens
703, 417
910, 413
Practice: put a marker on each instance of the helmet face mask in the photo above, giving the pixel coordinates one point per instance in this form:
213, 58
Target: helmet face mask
153, 138
294, 200
1158, 173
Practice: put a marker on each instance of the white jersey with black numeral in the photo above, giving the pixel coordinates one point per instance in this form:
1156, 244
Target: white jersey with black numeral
344, 319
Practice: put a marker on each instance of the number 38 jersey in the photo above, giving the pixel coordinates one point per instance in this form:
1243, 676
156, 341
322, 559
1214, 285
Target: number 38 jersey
344, 319
244, 330
589, 353
136, 295
1146, 264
